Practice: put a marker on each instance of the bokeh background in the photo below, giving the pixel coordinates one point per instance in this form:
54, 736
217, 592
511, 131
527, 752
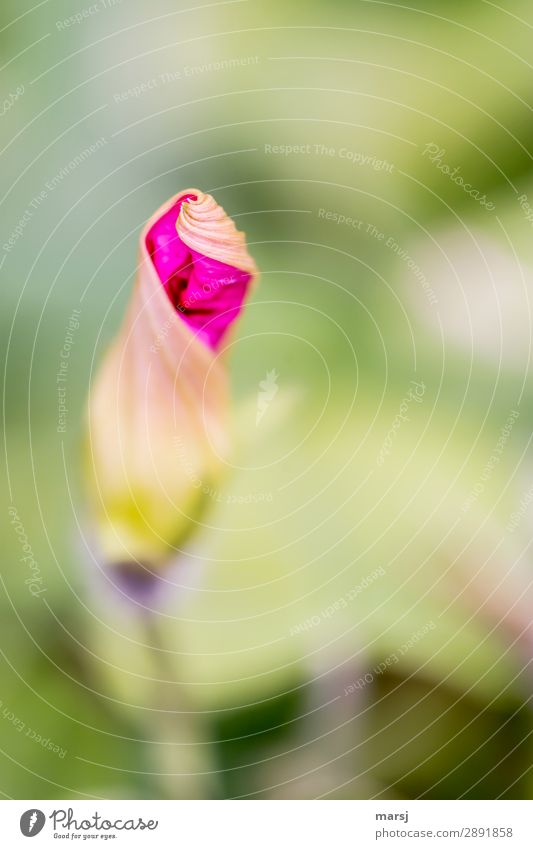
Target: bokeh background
352, 620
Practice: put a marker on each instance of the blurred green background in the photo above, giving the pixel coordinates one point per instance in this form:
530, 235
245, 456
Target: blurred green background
354, 620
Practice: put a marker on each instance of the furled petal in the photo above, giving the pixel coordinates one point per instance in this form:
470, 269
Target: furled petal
202, 261
157, 409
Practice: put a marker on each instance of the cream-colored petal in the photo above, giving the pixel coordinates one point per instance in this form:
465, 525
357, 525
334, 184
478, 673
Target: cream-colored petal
205, 227
156, 423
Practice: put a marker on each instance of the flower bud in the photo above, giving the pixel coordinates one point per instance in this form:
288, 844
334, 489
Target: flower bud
157, 411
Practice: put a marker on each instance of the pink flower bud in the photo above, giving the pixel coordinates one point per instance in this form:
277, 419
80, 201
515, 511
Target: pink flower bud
157, 410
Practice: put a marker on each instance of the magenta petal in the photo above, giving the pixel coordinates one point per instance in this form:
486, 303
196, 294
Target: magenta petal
207, 293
